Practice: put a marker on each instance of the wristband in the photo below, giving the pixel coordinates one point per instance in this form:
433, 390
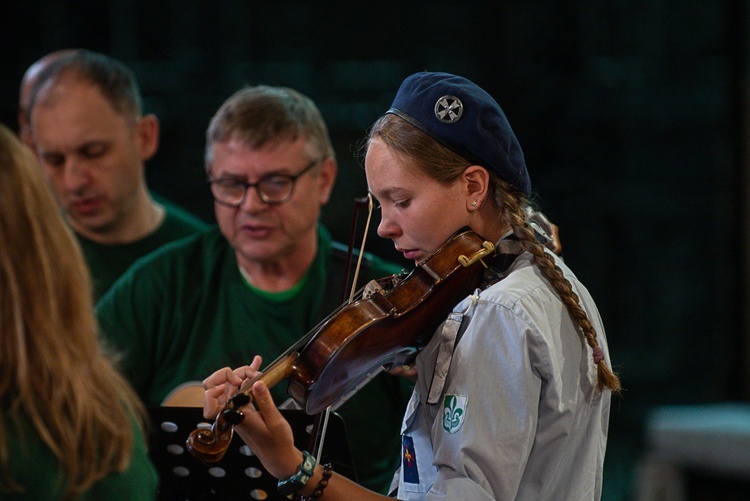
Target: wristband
318, 492
298, 480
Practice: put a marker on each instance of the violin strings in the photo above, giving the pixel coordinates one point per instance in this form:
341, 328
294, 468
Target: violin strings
245, 388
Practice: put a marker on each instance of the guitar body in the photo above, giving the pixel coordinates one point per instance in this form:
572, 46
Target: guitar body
188, 394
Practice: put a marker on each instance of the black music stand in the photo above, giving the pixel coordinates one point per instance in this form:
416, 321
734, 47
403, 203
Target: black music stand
239, 474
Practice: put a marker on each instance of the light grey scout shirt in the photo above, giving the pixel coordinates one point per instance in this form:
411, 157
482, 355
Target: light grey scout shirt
514, 411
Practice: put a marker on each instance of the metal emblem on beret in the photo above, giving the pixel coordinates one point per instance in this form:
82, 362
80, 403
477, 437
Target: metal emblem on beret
448, 109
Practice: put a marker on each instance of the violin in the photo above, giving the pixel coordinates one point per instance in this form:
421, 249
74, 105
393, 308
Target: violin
387, 325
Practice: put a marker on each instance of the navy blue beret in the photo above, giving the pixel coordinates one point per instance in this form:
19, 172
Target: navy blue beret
464, 118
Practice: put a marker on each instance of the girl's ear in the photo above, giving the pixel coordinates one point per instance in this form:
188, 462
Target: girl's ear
477, 181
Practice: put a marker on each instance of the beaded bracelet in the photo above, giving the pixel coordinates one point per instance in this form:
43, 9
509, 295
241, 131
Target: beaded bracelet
318, 492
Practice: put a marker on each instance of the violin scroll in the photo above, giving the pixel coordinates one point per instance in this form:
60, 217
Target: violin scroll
210, 444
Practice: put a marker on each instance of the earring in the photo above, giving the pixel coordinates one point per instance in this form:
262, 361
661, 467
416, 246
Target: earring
474, 203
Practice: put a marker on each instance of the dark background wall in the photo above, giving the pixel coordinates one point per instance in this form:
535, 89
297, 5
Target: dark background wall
630, 114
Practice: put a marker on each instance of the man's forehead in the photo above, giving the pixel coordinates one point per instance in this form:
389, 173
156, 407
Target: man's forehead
68, 86
283, 147
277, 156
79, 105
64, 125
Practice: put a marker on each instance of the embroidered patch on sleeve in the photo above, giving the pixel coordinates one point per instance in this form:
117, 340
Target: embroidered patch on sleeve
454, 412
409, 458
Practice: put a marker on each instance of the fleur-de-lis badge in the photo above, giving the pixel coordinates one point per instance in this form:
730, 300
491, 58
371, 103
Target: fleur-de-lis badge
454, 412
448, 109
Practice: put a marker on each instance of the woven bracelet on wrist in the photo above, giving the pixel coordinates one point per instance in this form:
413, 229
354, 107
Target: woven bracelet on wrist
318, 492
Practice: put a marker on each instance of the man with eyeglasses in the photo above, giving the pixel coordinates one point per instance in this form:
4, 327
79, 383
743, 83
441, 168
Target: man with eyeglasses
260, 281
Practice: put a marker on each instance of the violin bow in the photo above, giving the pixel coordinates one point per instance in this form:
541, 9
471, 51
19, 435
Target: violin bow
319, 428
358, 202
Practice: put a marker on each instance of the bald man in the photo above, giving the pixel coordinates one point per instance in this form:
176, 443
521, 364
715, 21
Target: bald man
92, 139
27, 84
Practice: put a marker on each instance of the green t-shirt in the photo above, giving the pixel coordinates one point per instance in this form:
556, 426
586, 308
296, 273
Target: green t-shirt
185, 311
107, 262
35, 468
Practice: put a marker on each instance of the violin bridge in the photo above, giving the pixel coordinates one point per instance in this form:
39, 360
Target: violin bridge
371, 288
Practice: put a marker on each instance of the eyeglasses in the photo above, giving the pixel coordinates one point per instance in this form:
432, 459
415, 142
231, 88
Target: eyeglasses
273, 189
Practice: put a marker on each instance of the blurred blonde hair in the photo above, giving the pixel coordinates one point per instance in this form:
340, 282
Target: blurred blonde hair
54, 375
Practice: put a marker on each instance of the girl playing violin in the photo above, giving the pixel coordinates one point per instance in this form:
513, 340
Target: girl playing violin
513, 391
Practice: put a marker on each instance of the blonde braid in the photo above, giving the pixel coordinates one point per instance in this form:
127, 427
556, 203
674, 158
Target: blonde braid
516, 216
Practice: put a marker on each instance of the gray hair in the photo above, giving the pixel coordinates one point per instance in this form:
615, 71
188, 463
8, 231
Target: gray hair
263, 114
